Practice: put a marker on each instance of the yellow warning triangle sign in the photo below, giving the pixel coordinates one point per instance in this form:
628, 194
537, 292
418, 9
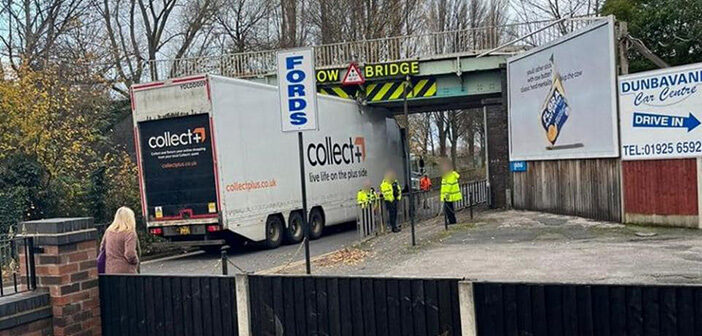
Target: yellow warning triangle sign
353, 76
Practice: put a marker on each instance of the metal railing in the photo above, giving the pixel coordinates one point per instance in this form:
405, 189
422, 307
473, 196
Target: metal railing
17, 265
371, 218
466, 42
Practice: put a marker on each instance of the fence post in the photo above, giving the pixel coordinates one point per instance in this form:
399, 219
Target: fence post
467, 308
242, 304
31, 266
383, 220
360, 225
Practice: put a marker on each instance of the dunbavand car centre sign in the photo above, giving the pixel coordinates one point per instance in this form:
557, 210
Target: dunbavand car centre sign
660, 113
371, 71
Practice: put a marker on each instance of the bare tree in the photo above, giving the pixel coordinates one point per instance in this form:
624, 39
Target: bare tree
242, 21
441, 131
141, 30
535, 10
35, 28
421, 132
457, 125
457, 128
294, 18
195, 23
346, 20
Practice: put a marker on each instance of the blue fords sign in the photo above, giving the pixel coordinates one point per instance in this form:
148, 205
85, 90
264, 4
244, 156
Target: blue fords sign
298, 91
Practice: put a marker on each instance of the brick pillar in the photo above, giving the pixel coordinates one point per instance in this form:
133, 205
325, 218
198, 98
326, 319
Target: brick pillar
65, 265
498, 147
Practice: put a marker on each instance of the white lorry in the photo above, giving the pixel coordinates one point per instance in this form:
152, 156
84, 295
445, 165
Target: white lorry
213, 160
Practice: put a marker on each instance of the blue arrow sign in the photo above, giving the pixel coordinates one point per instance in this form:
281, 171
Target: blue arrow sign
662, 120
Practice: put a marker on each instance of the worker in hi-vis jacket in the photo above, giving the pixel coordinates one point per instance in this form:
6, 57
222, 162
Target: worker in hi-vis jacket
450, 191
392, 193
365, 197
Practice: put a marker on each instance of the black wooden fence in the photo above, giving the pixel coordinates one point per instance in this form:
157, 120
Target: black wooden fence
566, 309
168, 305
302, 305
324, 305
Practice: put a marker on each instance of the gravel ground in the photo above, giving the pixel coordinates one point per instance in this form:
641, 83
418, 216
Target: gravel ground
531, 246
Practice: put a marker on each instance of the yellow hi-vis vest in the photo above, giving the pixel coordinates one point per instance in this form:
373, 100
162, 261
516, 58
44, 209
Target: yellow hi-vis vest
450, 190
362, 198
386, 190
372, 197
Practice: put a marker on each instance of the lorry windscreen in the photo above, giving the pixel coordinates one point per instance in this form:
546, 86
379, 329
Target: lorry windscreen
178, 168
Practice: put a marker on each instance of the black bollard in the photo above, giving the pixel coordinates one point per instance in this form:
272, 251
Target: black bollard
470, 204
225, 269
445, 216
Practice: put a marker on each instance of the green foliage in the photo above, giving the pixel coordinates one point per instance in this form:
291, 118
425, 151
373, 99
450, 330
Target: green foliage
57, 153
97, 194
11, 207
670, 28
21, 179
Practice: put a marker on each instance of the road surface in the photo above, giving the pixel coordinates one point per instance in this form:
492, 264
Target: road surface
519, 246
252, 259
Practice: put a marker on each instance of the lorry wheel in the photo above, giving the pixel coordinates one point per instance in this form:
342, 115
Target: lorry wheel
316, 223
274, 232
295, 232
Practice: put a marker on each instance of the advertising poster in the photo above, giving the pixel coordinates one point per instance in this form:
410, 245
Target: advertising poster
562, 98
178, 167
660, 113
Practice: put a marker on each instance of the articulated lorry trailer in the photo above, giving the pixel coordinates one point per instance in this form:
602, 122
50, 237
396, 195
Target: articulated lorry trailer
213, 162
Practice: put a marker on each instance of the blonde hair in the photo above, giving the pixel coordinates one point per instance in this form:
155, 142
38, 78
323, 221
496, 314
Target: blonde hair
124, 221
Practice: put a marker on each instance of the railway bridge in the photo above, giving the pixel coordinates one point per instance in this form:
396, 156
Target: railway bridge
447, 70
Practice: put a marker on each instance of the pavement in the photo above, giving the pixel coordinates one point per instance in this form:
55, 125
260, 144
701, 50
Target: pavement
528, 246
250, 258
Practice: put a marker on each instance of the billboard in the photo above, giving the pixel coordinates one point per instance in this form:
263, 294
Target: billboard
562, 98
660, 113
298, 90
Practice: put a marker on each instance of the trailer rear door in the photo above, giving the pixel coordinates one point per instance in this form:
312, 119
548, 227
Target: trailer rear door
176, 151
178, 168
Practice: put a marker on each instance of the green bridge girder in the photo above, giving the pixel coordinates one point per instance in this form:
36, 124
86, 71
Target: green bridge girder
461, 82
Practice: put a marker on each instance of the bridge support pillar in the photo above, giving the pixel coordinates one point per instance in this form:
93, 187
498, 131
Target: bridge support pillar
66, 249
498, 147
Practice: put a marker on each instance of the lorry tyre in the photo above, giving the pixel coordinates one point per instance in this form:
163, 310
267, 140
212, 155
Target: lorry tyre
316, 223
295, 230
274, 231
